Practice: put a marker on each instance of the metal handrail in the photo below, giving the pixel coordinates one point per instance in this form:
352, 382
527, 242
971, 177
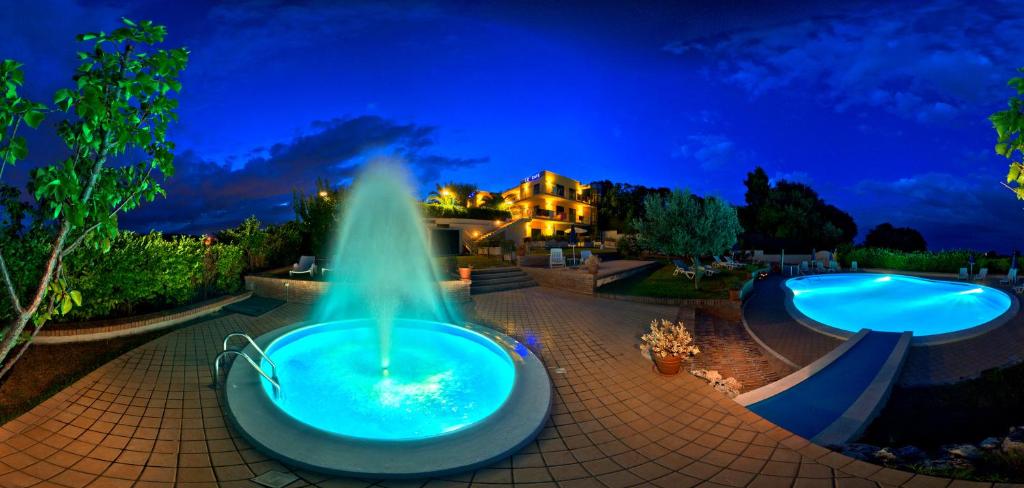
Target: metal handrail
216, 369
263, 355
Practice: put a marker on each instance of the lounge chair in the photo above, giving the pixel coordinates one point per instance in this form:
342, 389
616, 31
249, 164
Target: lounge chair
732, 263
833, 266
719, 262
819, 267
683, 269
804, 268
1011, 277
556, 259
963, 274
982, 275
853, 266
585, 255
306, 265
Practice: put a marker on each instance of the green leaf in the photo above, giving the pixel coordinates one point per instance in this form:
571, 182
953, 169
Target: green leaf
76, 296
1014, 172
127, 21
33, 119
65, 305
18, 148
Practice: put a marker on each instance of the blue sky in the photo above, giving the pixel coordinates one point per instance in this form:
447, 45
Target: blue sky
881, 108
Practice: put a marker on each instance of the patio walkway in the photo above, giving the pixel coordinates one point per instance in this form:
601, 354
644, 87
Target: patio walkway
148, 418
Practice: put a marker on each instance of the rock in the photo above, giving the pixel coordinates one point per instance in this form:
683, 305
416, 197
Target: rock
713, 376
990, 443
1011, 446
864, 452
884, 455
964, 451
910, 454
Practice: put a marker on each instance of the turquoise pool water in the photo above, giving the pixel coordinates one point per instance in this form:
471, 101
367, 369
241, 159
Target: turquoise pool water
441, 379
896, 303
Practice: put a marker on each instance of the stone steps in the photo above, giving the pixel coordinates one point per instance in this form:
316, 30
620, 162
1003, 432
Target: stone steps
499, 279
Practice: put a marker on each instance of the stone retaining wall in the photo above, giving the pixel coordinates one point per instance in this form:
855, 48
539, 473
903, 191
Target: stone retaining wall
308, 291
106, 329
681, 302
564, 278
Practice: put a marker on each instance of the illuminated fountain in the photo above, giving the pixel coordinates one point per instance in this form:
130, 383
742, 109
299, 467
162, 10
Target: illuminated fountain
386, 380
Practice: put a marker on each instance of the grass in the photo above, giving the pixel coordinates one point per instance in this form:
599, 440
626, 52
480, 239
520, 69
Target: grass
45, 370
662, 284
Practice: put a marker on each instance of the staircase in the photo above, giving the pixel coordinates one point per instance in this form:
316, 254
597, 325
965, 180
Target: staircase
499, 279
500, 228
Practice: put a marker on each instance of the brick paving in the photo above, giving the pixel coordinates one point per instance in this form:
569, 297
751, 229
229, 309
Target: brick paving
149, 419
728, 348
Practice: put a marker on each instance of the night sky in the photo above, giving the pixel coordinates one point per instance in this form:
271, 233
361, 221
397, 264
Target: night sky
880, 108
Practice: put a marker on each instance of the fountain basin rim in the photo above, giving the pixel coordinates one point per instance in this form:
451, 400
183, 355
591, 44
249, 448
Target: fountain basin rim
279, 435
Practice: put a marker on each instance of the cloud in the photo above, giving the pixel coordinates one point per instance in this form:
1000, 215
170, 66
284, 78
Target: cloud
926, 63
712, 151
957, 210
204, 195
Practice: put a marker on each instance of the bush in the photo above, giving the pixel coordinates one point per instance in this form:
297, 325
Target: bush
938, 262
150, 272
628, 246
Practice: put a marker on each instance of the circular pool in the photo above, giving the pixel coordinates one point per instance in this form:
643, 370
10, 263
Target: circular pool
450, 397
440, 379
897, 303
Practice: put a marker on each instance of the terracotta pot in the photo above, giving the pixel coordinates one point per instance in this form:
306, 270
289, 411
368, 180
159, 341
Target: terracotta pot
668, 364
465, 273
592, 267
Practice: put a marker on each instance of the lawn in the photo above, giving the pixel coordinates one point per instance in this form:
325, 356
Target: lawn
662, 284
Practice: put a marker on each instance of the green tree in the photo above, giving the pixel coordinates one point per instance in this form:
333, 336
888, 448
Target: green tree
252, 239
1009, 124
116, 114
681, 224
318, 214
898, 238
791, 215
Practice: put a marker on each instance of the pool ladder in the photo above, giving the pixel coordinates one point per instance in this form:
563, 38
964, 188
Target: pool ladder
225, 352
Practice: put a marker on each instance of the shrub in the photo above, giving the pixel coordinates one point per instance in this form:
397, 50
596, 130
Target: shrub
628, 246
938, 262
148, 271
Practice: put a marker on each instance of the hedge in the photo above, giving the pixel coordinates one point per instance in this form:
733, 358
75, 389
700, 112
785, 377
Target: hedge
140, 273
937, 262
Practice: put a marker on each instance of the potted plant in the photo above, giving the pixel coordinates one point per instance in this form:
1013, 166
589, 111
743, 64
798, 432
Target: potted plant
465, 272
668, 343
593, 263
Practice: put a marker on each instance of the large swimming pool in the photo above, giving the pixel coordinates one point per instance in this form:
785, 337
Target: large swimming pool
896, 303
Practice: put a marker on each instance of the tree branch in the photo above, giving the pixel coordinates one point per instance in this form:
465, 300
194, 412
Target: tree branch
14, 132
10, 286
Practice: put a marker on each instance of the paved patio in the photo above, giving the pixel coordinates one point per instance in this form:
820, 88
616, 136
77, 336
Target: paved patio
149, 419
